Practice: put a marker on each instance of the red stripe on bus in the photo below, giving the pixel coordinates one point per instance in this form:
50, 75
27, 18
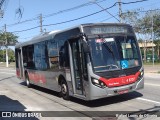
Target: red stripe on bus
18, 72
116, 82
37, 78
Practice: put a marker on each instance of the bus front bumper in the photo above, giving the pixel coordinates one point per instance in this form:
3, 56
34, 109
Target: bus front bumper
97, 93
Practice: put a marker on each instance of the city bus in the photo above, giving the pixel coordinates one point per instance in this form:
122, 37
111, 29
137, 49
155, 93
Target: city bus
89, 61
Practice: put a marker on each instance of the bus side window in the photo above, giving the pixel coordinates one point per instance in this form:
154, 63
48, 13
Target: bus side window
53, 54
41, 56
64, 56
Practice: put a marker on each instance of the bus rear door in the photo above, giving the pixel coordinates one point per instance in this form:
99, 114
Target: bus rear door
19, 67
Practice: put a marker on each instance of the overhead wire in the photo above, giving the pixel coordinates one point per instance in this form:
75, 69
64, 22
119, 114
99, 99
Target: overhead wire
107, 11
69, 20
67, 10
73, 8
144, 11
56, 13
109, 18
80, 17
133, 2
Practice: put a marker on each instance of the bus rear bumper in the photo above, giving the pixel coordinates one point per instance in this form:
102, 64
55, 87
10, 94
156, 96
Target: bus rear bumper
97, 93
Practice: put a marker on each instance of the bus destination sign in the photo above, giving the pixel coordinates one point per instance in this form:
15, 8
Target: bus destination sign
107, 29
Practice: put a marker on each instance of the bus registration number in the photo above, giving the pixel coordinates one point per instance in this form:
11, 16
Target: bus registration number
123, 91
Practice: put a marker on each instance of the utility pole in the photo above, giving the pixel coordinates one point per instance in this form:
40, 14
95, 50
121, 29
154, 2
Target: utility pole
120, 11
6, 44
41, 25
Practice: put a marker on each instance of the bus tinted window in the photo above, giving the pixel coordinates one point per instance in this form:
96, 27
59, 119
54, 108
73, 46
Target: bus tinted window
64, 55
53, 54
128, 50
114, 53
41, 56
104, 54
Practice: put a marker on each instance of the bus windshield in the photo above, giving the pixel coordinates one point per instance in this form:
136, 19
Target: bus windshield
114, 53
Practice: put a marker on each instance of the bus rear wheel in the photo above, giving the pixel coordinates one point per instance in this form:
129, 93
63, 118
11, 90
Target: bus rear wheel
64, 90
27, 81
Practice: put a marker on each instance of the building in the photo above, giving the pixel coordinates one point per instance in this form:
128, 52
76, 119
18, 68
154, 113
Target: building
147, 48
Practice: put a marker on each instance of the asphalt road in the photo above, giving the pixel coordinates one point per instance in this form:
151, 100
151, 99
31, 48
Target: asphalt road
15, 96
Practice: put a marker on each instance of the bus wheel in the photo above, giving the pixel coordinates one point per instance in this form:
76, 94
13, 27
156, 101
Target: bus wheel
27, 81
64, 90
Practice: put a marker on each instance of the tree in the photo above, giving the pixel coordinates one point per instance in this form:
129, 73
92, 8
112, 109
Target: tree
8, 39
157, 48
131, 17
10, 54
143, 25
157, 25
1, 55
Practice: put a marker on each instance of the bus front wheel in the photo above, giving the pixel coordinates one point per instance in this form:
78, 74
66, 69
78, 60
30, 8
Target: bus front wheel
64, 90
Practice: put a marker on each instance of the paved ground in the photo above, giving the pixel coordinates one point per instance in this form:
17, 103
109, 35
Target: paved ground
15, 96
152, 68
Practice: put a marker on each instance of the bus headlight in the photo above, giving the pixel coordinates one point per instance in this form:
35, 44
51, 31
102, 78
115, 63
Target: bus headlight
98, 83
141, 74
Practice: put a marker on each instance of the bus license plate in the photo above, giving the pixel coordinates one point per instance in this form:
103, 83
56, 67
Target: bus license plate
123, 91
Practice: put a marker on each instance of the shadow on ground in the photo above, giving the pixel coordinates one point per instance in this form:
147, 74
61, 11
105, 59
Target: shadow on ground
155, 110
93, 103
11, 106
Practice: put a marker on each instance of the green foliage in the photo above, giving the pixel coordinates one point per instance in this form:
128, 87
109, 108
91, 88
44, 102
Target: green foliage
143, 24
11, 55
11, 38
130, 17
157, 43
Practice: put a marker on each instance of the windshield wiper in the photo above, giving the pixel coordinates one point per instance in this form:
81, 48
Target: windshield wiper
105, 44
108, 47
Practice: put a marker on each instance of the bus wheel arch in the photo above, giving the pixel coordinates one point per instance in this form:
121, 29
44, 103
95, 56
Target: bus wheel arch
27, 79
64, 87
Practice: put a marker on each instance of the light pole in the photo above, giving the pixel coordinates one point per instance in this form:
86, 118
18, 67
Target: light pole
152, 42
6, 43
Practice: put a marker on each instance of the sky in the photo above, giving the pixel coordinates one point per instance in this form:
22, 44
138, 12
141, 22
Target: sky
31, 10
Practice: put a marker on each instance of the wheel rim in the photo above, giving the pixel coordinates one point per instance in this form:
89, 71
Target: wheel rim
64, 89
27, 81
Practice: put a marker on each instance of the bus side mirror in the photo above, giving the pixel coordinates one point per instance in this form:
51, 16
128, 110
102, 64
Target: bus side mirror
86, 47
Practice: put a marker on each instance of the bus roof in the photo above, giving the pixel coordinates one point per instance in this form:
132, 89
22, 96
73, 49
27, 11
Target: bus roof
50, 35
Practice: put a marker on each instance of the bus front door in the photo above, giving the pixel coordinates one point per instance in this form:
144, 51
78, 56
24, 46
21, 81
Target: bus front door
76, 66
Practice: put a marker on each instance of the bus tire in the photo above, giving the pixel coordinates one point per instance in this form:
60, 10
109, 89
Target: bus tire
64, 90
27, 80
